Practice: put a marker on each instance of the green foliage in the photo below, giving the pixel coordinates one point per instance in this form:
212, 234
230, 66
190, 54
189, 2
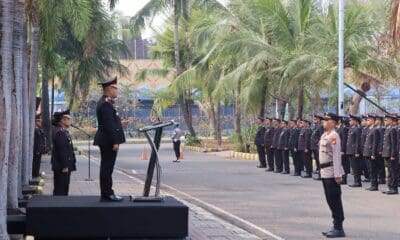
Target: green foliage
192, 141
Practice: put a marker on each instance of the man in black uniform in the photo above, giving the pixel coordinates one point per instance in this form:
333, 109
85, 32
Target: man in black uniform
353, 149
268, 137
62, 157
109, 136
275, 141
283, 146
342, 130
371, 148
317, 131
303, 147
365, 161
380, 160
390, 153
259, 142
39, 147
293, 138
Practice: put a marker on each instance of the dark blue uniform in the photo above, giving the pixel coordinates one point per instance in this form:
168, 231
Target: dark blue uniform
259, 142
39, 148
109, 133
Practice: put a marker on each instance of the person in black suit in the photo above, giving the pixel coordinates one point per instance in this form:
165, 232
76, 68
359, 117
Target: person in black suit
390, 153
275, 142
371, 151
317, 131
268, 137
353, 149
293, 138
283, 146
39, 146
343, 130
259, 142
303, 148
380, 160
63, 157
365, 161
109, 136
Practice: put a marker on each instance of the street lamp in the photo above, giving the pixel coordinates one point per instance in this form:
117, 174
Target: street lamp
341, 59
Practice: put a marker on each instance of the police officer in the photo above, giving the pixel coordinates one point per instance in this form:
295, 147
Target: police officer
259, 142
283, 146
317, 131
275, 141
176, 141
109, 136
39, 146
353, 149
371, 151
293, 142
331, 173
365, 161
380, 160
390, 153
268, 137
342, 130
303, 147
62, 158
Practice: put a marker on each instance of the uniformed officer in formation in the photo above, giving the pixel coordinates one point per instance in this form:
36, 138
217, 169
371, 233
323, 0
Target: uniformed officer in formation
39, 146
390, 153
259, 142
317, 131
109, 136
293, 143
268, 137
371, 151
342, 130
380, 161
353, 149
365, 161
331, 173
303, 148
275, 141
63, 157
283, 145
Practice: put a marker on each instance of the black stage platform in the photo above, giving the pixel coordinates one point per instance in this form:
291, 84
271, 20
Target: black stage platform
87, 217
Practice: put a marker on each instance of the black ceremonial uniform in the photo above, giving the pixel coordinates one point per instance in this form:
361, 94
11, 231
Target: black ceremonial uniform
109, 132
390, 154
293, 143
277, 153
343, 131
371, 148
317, 132
303, 149
259, 142
39, 148
62, 156
365, 161
380, 159
268, 137
283, 146
354, 153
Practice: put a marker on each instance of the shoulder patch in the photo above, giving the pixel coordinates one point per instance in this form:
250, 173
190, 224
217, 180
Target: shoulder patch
333, 140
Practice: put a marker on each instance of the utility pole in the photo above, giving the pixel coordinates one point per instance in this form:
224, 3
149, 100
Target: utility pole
341, 59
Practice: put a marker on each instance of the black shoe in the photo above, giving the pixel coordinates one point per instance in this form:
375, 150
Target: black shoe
366, 180
391, 192
372, 188
326, 232
269, 170
355, 185
261, 166
335, 234
306, 176
112, 198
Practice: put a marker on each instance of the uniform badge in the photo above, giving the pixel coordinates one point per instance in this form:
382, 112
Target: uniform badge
333, 140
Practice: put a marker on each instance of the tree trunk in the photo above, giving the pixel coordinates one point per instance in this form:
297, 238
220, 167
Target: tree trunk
300, 101
237, 117
291, 111
52, 97
6, 48
75, 78
213, 119
45, 107
218, 123
281, 109
263, 98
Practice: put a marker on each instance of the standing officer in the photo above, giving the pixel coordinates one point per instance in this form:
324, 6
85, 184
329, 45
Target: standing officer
283, 146
353, 149
371, 151
317, 131
39, 147
275, 141
365, 161
303, 147
331, 173
259, 142
293, 142
342, 130
269, 135
108, 137
62, 157
390, 153
380, 160
176, 140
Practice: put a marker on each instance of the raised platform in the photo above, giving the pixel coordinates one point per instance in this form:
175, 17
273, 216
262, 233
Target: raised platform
87, 217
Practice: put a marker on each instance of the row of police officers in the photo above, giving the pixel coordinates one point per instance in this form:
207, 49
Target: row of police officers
368, 146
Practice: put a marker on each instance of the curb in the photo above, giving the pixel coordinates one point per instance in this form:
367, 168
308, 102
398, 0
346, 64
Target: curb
242, 155
201, 149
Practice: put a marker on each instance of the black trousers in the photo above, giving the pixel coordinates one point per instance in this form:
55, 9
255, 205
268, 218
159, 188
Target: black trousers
285, 160
315, 155
306, 161
37, 159
333, 195
61, 183
177, 148
261, 155
364, 167
373, 171
393, 169
355, 163
295, 157
270, 158
108, 157
381, 168
278, 160
346, 164
300, 162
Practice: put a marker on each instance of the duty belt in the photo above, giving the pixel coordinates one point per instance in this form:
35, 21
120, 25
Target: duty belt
325, 165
